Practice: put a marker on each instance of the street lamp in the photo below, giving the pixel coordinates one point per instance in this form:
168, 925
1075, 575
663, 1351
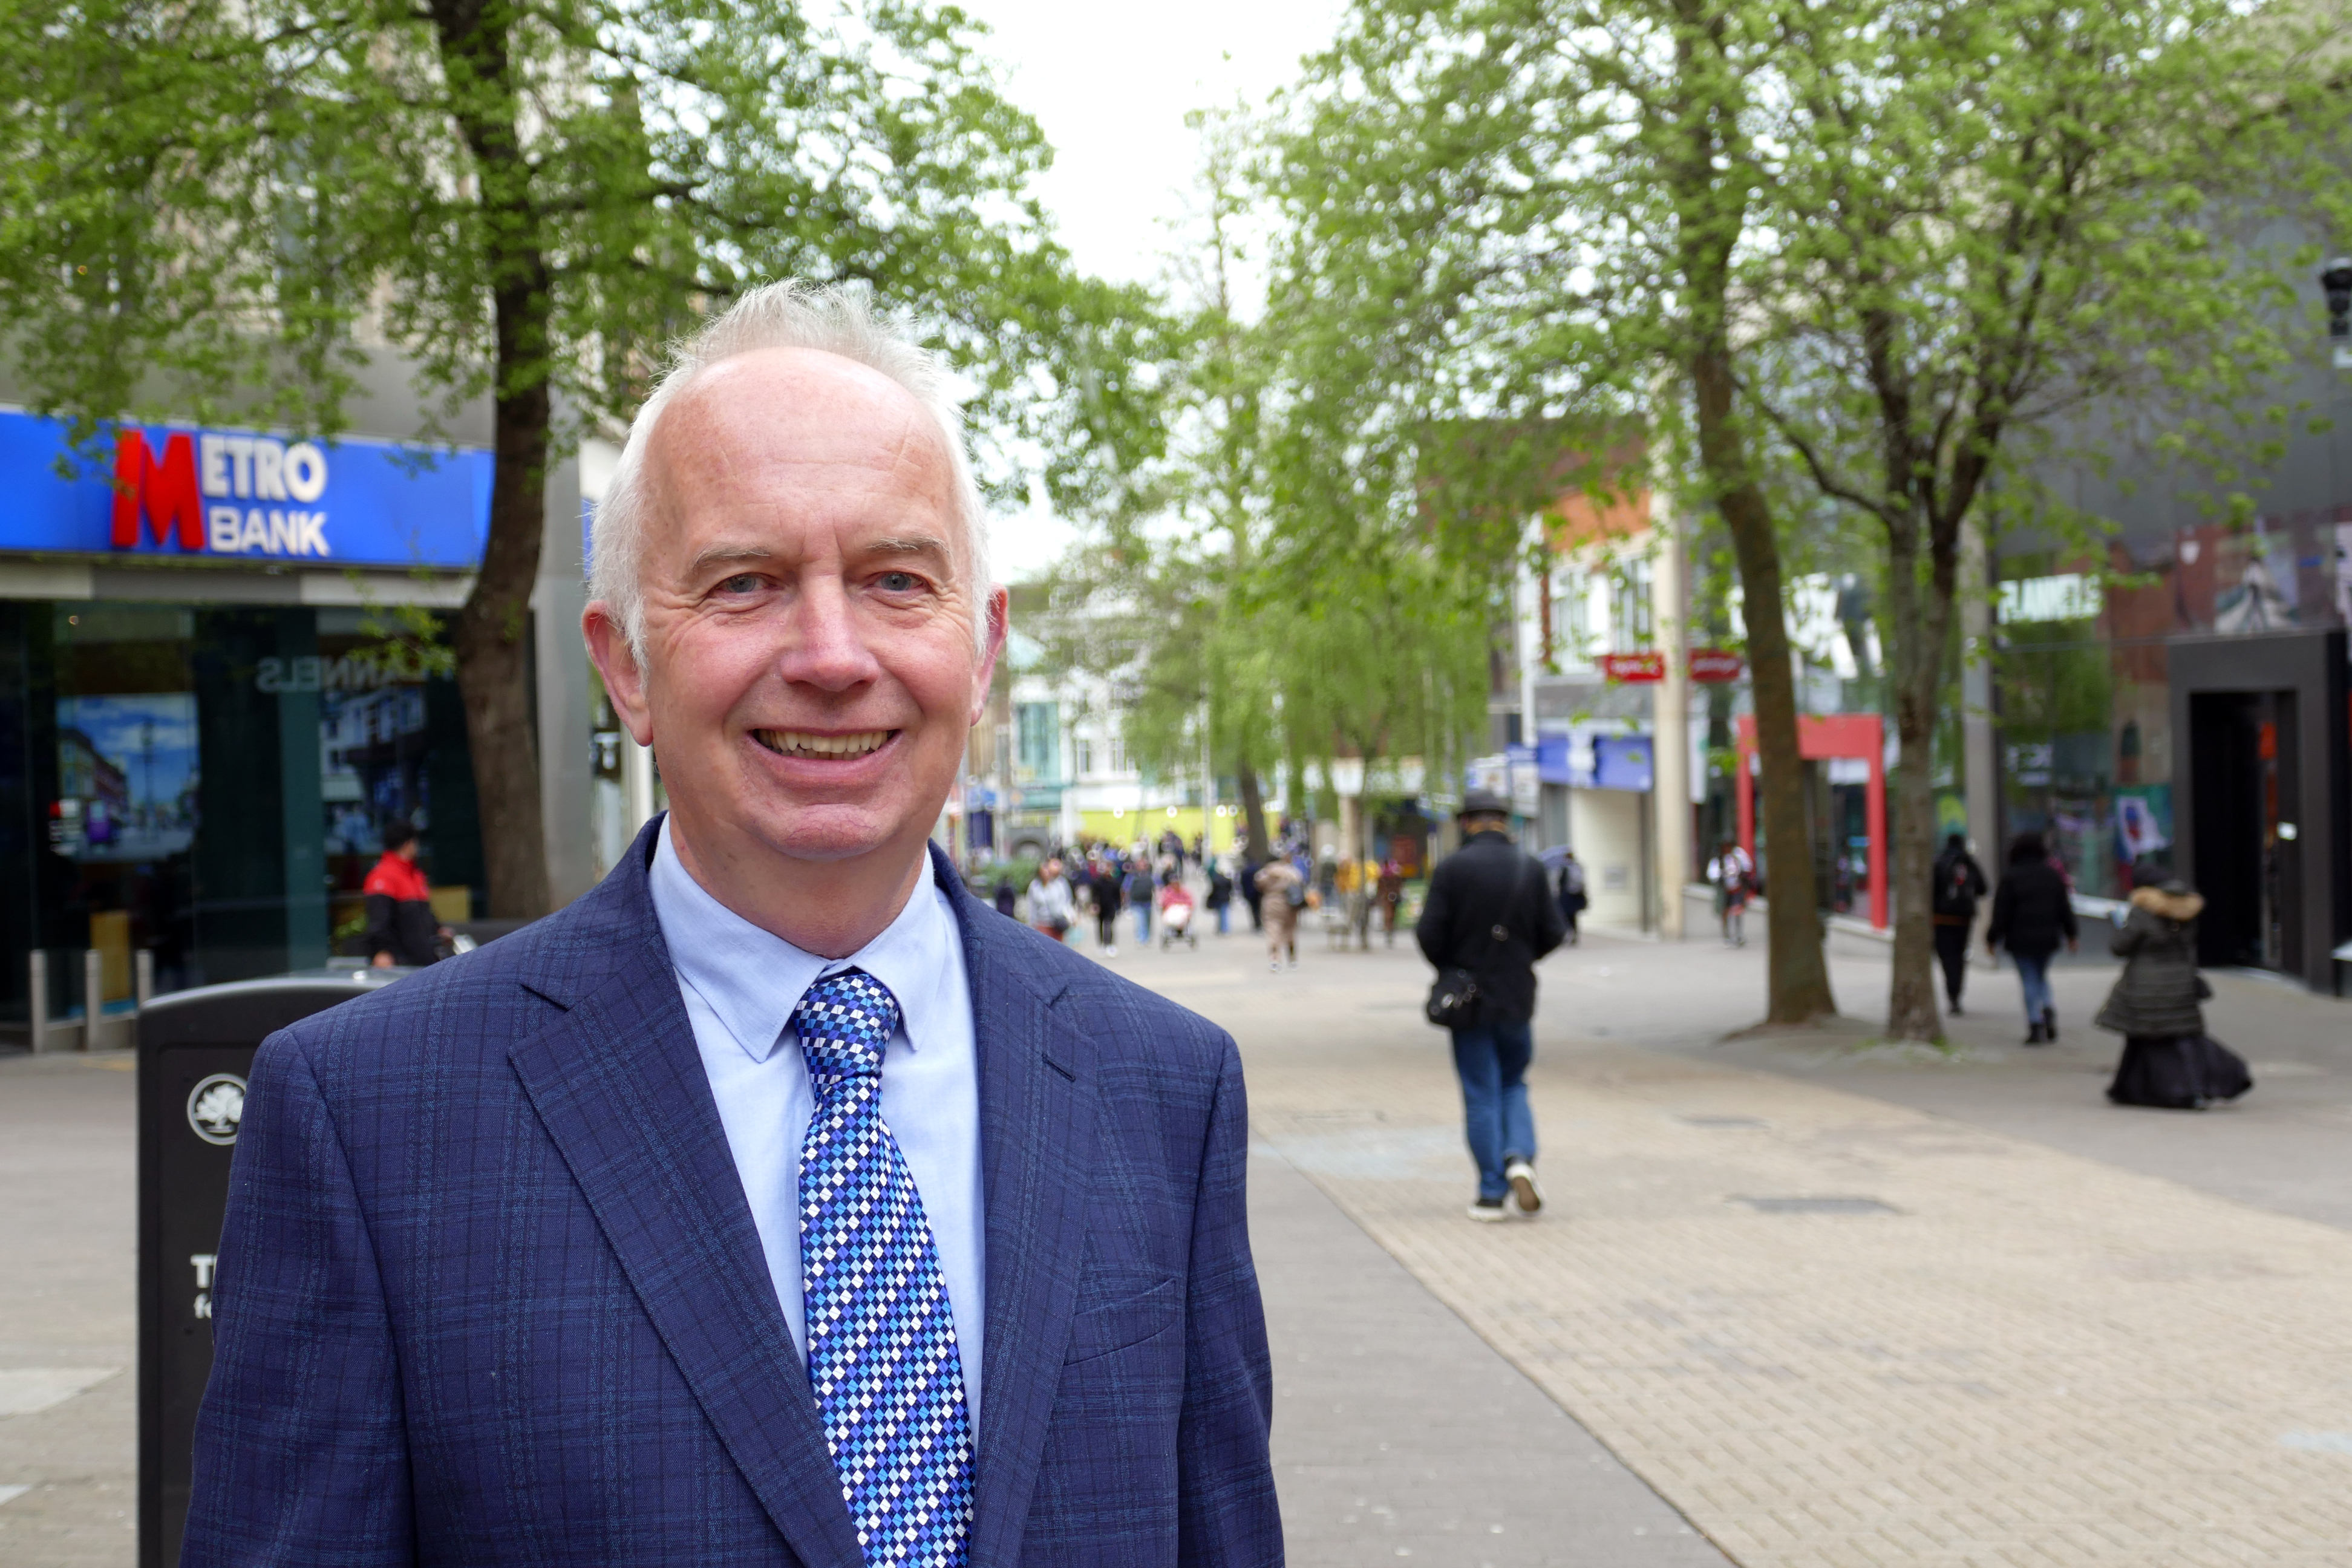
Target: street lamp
2335, 281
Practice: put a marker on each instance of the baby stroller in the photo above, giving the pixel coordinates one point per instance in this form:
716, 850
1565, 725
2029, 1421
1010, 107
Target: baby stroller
1176, 920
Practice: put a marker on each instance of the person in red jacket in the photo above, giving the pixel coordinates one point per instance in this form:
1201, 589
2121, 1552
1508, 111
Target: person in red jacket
400, 930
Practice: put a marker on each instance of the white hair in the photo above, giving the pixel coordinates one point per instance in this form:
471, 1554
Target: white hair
787, 315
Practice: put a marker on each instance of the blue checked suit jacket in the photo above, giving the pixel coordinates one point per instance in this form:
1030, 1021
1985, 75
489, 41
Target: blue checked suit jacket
489, 1291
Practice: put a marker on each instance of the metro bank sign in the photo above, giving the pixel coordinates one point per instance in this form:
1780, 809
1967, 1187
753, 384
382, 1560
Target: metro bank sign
243, 496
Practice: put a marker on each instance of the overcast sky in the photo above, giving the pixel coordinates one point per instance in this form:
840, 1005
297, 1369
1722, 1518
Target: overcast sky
1112, 85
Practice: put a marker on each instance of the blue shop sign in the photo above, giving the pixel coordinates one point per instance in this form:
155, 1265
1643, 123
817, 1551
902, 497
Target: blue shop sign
1622, 762
246, 496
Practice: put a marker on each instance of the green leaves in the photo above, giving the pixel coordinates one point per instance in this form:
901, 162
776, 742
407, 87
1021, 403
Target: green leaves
211, 204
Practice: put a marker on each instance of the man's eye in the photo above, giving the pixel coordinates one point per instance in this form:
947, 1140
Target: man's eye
898, 582
742, 583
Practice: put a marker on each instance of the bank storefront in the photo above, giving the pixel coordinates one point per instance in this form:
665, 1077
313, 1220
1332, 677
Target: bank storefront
205, 724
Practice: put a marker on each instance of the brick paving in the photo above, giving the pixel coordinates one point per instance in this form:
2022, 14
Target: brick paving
2030, 1357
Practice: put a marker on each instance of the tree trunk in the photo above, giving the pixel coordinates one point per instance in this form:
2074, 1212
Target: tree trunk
1710, 203
1798, 983
1917, 634
493, 631
1255, 844
493, 647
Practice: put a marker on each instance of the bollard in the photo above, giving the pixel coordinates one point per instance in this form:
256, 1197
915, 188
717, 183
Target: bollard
93, 989
38, 989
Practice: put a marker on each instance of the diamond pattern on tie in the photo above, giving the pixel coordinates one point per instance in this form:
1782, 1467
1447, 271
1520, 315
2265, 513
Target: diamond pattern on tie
881, 1341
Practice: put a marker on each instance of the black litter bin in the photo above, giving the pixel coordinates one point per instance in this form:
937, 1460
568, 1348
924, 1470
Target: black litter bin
195, 1051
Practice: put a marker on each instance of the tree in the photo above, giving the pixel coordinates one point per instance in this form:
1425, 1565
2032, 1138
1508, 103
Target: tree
1231, 626
1516, 211
1984, 218
231, 204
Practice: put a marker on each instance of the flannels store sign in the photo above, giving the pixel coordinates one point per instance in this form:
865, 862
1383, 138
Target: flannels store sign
238, 495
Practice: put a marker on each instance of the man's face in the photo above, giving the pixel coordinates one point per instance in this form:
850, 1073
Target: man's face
810, 672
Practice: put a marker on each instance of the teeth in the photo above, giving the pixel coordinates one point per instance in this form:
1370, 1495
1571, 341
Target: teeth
801, 743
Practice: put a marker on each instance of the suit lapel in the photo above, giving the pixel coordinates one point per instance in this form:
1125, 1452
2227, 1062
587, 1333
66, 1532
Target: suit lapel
1036, 1142
620, 1087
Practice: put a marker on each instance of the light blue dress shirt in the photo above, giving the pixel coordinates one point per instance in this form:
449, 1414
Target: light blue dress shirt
740, 984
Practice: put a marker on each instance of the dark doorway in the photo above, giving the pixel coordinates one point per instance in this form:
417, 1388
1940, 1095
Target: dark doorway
2245, 760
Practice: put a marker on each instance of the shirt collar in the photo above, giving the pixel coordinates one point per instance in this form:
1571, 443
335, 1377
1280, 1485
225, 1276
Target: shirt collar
752, 979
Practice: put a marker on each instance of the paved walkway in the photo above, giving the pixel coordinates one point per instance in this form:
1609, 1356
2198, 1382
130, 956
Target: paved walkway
68, 1400
1981, 1348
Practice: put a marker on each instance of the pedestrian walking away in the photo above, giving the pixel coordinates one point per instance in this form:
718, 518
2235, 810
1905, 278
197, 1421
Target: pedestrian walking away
1734, 876
676, 1227
1488, 917
1246, 885
1105, 886
1392, 894
1573, 899
1139, 890
2169, 1061
1221, 896
1282, 895
2032, 912
1959, 883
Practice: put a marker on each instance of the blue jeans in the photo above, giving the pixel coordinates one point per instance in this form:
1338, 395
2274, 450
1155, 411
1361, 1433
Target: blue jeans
1224, 915
2034, 975
1492, 1061
1144, 923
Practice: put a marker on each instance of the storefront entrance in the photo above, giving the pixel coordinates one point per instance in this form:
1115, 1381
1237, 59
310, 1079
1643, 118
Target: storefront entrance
208, 784
2245, 755
2263, 830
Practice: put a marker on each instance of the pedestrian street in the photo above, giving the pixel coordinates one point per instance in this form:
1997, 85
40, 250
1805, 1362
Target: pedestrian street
1828, 1306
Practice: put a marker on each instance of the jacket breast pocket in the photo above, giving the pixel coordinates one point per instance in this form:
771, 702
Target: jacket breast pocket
1129, 1320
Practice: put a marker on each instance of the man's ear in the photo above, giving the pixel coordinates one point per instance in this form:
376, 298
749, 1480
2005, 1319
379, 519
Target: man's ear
999, 611
625, 682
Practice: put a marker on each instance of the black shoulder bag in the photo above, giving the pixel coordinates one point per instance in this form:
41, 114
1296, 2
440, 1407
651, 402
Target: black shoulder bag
1454, 995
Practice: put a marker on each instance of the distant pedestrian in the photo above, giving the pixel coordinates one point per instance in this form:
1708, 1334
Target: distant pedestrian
400, 930
1139, 891
1734, 876
1282, 893
1051, 908
1488, 917
1103, 887
1959, 883
2168, 1061
1006, 901
2032, 914
1572, 898
1221, 896
1246, 885
1390, 895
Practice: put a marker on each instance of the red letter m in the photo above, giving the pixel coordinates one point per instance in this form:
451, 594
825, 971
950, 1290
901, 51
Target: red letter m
167, 490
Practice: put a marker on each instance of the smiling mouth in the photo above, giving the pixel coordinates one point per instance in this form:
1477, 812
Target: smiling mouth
833, 748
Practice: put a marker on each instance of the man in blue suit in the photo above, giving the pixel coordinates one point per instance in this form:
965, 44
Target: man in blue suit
773, 1203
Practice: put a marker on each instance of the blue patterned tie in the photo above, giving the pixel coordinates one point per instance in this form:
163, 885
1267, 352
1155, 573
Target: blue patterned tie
881, 1341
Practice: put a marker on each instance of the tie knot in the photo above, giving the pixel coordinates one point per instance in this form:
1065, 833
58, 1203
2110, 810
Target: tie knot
844, 1022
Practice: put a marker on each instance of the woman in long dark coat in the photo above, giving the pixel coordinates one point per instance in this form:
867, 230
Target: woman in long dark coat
2167, 1061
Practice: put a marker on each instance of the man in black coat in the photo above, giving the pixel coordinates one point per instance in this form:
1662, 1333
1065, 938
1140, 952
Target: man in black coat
1959, 883
1490, 913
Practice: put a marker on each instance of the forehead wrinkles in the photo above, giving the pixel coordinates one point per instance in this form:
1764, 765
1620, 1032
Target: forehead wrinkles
710, 441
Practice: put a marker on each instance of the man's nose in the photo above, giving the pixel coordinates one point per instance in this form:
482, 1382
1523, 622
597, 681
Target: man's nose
824, 646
